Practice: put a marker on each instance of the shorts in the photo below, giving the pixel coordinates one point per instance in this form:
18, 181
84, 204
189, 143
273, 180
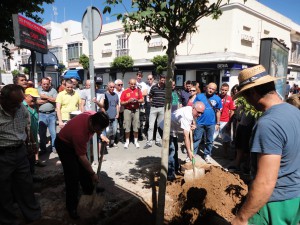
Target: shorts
285, 212
131, 116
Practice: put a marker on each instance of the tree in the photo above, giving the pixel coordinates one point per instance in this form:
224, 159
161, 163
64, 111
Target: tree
172, 20
160, 62
122, 64
15, 72
84, 61
29, 9
26, 70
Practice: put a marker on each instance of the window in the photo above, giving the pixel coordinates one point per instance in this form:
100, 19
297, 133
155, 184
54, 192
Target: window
74, 51
122, 45
295, 53
57, 51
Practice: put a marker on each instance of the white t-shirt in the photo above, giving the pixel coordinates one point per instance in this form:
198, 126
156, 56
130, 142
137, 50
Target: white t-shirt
142, 86
181, 119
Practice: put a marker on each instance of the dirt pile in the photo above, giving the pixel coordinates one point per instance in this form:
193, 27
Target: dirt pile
216, 196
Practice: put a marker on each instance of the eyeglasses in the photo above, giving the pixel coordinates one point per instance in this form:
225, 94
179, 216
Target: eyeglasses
132, 83
198, 112
192, 90
112, 87
150, 78
119, 84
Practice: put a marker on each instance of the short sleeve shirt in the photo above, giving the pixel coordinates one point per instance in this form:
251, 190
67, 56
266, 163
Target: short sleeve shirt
208, 117
127, 94
226, 108
76, 132
278, 134
181, 119
69, 103
48, 106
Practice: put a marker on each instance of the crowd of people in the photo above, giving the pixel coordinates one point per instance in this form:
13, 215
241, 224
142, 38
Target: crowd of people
136, 113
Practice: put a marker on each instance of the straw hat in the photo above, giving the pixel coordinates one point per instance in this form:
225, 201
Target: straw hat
253, 76
33, 92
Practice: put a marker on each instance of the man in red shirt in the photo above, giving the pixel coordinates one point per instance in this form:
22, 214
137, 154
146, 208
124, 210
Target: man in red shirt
131, 99
227, 112
71, 146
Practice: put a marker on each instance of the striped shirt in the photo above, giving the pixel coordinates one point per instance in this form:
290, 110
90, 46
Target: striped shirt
12, 129
158, 95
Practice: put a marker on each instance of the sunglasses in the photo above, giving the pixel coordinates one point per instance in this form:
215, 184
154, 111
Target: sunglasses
192, 90
198, 112
119, 84
150, 78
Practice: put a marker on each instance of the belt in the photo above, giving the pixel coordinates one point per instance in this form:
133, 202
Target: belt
47, 112
7, 148
157, 106
132, 110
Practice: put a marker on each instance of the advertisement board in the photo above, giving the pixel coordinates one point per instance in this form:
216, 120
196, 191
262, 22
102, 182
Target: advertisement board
29, 35
274, 57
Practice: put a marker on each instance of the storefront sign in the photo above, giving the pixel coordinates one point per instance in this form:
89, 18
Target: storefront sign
29, 35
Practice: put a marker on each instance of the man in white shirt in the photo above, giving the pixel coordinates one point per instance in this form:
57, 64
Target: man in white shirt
181, 120
118, 90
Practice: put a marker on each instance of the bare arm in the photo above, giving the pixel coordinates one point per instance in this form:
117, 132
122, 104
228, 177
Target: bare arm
58, 112
261, 189
86, 164
187, 143
218, 115
82, 108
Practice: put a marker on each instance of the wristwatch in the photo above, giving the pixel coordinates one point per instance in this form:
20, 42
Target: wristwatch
218, 124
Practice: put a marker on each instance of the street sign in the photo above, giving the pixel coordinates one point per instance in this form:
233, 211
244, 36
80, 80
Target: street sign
95, 24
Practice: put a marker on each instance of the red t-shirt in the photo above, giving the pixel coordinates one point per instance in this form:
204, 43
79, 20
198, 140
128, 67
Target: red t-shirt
227, 106
128, 94
76, 132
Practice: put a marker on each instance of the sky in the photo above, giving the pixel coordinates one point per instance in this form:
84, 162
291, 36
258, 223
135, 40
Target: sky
74, 9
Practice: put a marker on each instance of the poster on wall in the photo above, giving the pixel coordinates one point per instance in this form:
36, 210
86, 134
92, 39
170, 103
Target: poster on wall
274, 57
179, 80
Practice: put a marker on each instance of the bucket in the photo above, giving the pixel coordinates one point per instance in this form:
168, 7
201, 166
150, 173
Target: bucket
74, 113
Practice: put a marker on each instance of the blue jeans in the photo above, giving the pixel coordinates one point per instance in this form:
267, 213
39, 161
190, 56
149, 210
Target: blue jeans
47, 121
111, 130
209, 130
173, 164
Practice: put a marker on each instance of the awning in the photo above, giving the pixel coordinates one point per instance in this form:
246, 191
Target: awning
72, 74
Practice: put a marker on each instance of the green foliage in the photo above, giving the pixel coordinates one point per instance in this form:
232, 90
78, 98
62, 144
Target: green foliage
84, 61
247, 108
26, 8
61, 68
122, 64
15, 72
161, 63
26, 70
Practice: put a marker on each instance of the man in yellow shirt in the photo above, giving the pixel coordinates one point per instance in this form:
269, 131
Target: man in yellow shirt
66, 101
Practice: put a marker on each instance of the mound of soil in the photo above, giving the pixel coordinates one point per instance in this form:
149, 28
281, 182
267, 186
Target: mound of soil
214, 197
211, 199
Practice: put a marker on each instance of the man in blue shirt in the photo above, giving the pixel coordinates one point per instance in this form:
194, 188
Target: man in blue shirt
209, 121
274, 195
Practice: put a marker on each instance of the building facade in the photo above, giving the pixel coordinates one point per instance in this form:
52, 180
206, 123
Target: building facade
215, 53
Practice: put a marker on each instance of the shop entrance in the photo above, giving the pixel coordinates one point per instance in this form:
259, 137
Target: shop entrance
205, 77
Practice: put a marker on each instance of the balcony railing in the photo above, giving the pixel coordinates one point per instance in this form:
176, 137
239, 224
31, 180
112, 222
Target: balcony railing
122, 52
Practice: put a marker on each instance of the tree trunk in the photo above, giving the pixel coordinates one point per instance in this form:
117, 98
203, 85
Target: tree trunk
166, 135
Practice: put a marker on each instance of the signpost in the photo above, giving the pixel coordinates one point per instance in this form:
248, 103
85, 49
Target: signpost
91, 29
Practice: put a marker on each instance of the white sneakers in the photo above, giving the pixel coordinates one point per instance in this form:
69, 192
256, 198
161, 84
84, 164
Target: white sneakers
137, 145
208, 159
126, 145
187, 160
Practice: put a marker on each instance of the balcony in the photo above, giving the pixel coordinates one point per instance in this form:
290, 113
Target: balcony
122, 52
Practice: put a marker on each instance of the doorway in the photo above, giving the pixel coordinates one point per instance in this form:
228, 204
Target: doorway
205, 77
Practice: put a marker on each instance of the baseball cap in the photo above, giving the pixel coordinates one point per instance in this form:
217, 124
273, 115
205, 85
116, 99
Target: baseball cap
33, 92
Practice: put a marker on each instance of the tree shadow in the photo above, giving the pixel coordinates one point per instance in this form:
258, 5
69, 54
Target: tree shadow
194, 204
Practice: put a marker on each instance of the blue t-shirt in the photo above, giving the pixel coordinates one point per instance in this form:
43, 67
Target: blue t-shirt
277, 132
209, 115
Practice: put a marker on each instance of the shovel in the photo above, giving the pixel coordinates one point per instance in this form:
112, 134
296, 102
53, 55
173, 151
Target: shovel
190, 175
90, 206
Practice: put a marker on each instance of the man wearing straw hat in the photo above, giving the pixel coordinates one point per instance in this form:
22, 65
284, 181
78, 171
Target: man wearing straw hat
274, 195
